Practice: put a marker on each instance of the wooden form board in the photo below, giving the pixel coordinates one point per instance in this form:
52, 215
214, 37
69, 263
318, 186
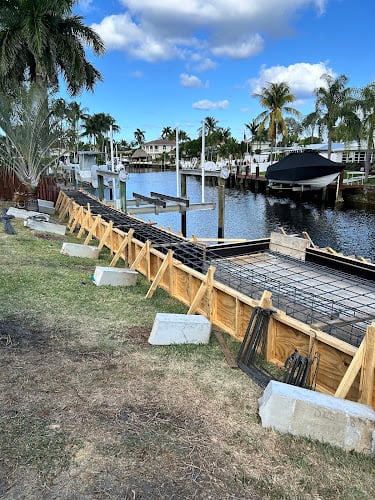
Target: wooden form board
289, 245
230, 310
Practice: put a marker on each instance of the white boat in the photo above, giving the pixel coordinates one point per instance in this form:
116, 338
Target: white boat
303, 171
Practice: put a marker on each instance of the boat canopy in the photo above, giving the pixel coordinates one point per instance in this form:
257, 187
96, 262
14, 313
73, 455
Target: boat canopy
301, 166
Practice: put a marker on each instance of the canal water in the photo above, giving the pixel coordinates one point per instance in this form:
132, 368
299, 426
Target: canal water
251, 215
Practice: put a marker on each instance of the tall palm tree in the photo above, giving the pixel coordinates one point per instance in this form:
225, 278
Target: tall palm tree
366, 107
139, 136
32, 131
253, 128
167, 132
275, 97
41, 40
182, 135
309, 123
75, 115
59, 108
97, 127
294, 129
332, 104
210, 125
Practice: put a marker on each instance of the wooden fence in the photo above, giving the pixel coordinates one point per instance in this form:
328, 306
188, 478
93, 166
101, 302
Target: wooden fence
344, 370
9, 184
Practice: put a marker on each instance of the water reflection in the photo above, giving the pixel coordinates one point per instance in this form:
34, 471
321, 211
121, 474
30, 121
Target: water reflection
249, 215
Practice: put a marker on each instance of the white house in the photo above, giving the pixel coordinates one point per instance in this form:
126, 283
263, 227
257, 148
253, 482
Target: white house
154, 149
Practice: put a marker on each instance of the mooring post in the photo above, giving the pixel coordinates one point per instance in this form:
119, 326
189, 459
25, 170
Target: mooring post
183, 213
100, 187
123, 196
256, 186
221, 193
339, 187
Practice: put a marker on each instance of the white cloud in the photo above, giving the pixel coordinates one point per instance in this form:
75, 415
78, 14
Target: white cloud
302, 78
202, 64
242, 50
85, 5
209, 105
155, 31
120, 32
136, 74
190, 81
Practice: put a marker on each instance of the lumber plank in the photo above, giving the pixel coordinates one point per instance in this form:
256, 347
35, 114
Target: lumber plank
224, 347
84, 222
351, 373
121, 248
201, 291
107, 232
92, 229
164, 266
368, 367
139, 257
65, 210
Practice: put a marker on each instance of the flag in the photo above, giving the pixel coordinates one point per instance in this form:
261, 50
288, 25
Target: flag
244, 137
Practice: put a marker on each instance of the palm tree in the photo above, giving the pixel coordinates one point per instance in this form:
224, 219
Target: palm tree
210, 125
182, 135
59, 108
274, 97
97, 127
139, 136
74, 115
294, 129
366, 106
309, 122
332, 104
166, 133
31, 130
41, 40
253, 128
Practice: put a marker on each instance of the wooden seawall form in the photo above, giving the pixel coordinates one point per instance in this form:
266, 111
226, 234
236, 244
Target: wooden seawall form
345, 371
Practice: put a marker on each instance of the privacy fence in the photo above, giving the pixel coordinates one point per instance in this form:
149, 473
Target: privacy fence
9, 184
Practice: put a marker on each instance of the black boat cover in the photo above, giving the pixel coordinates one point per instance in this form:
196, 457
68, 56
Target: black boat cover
301, 166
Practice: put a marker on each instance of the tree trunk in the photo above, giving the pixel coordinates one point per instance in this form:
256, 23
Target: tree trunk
32, 201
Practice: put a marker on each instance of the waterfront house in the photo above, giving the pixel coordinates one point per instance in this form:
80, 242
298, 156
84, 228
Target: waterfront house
156, 149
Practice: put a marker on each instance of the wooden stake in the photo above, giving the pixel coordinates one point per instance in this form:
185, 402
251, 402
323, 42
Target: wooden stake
224, 347
65, 209
366, 386
351, 373
265, 301
98, 218
76, 218
307, 237
202, 290
107, 232
122, 247
59, 200
84, 222
139, 257
167, 262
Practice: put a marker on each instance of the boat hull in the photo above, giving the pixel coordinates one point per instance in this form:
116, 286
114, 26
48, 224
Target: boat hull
314, 183
306, 170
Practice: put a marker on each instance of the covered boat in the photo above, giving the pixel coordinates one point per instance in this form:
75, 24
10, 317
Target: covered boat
307, 170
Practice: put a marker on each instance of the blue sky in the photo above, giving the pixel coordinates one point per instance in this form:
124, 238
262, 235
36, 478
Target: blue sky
174, 63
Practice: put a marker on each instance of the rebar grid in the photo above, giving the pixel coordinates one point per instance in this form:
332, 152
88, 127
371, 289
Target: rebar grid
337, 303
340, 304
